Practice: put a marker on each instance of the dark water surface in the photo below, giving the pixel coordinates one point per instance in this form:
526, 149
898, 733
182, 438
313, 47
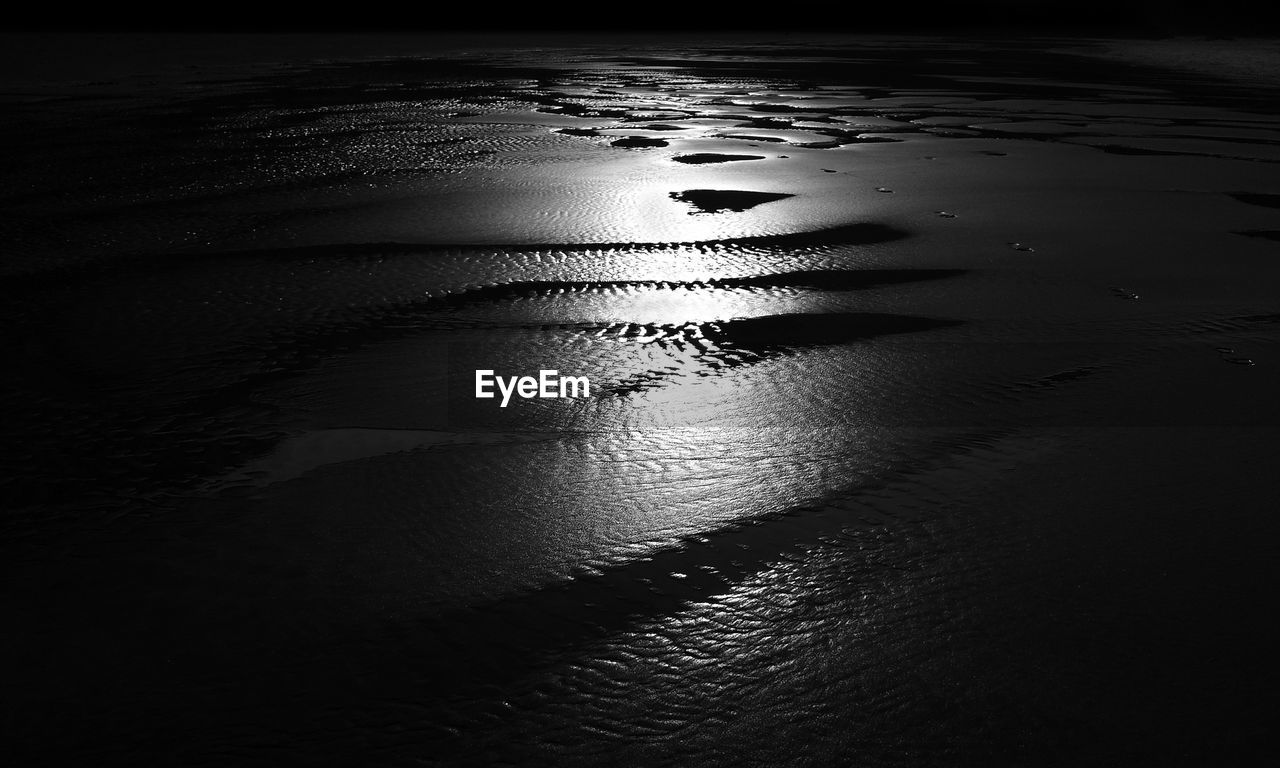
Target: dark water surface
932, 415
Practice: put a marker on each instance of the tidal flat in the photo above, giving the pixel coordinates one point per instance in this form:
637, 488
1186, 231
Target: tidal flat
932, 414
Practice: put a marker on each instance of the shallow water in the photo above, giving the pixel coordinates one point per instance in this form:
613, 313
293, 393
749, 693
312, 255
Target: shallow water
935, 433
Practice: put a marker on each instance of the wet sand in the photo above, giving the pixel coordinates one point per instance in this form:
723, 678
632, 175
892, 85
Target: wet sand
932, 417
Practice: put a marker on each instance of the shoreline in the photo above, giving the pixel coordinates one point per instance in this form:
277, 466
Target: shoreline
949, 446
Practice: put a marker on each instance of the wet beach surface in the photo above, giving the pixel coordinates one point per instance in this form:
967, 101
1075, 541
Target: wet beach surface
932, 418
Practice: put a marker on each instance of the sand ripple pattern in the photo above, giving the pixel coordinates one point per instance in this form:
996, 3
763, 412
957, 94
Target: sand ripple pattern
828, 319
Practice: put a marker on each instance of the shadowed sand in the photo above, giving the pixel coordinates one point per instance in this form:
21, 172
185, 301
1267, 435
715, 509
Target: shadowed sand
1265, 234
718, 200
730, 344
703, 158
637, 142
1266, 200
864, 233
803, 330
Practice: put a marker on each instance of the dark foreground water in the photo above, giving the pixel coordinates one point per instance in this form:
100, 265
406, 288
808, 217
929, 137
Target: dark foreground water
932, 416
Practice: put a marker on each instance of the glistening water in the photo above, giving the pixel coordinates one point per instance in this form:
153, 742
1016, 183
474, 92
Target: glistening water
932, 405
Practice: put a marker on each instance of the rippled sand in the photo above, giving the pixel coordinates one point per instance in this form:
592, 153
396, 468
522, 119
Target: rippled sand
931, 423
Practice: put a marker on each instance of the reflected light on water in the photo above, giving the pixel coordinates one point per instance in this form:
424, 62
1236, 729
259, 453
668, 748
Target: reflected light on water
703, 451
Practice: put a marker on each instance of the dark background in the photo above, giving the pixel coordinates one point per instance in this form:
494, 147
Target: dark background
1122, 17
